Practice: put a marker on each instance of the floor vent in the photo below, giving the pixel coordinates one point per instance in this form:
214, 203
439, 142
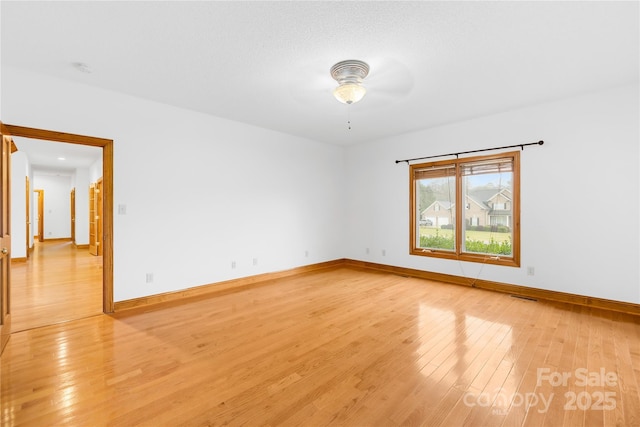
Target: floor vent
524, 298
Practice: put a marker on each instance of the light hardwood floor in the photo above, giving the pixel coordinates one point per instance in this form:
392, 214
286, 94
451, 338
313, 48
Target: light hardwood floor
57, 283
334, 347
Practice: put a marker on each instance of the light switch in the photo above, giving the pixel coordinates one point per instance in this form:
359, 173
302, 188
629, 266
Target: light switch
122, 209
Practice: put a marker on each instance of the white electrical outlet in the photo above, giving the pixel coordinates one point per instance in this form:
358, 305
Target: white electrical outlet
233, 264
384, 252
255, 261
149, 278
531, 271
366, 250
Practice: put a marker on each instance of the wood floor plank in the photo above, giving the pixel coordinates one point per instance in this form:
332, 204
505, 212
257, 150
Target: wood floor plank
335, 347
626, 346
579, 359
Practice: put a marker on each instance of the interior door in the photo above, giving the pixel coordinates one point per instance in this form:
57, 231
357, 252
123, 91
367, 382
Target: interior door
73, 216
28, 216
98, 200
95, 218
5, 239
93, 247
40, 219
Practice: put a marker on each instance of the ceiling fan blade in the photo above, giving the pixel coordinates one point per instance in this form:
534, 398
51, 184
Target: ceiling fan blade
390, 76
311, 83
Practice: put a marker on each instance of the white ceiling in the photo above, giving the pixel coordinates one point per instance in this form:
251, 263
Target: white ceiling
57, 158
267, 63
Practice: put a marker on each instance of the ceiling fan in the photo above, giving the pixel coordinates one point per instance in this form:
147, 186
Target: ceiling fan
383, 82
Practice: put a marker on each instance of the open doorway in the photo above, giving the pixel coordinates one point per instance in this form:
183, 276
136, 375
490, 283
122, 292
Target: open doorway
61, 280
56, 248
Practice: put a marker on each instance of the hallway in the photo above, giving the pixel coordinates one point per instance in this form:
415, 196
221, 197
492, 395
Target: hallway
58, 283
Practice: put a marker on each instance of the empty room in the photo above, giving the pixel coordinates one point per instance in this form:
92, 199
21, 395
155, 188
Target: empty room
320, 213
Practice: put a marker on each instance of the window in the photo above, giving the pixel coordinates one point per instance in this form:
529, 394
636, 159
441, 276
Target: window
467, 209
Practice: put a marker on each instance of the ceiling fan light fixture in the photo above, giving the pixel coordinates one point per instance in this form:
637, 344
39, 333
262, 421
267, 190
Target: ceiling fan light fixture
349, 93
349, 75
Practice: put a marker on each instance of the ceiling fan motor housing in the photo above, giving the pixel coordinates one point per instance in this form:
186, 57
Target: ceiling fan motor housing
350, 71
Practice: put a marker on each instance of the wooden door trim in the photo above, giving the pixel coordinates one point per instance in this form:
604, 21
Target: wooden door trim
107, 200
49, 135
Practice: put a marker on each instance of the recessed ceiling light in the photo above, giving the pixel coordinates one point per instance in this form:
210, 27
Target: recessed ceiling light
61, 158
82, 67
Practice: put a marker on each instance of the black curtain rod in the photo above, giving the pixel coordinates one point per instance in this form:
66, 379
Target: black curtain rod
472, 151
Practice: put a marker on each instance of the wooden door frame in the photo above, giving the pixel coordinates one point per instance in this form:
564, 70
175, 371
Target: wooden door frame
107, 207
40, 214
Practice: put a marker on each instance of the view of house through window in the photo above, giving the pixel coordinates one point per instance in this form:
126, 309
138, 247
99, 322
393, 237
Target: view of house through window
467, 209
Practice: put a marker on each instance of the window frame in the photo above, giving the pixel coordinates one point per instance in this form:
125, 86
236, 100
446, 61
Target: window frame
457, 253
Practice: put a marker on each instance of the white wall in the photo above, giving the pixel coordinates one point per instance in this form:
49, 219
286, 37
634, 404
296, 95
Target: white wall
579, 191
271, 196
57, 204
95, 170
201, 192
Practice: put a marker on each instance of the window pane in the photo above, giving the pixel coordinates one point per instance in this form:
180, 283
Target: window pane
435, 204
475, 219
488, 215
